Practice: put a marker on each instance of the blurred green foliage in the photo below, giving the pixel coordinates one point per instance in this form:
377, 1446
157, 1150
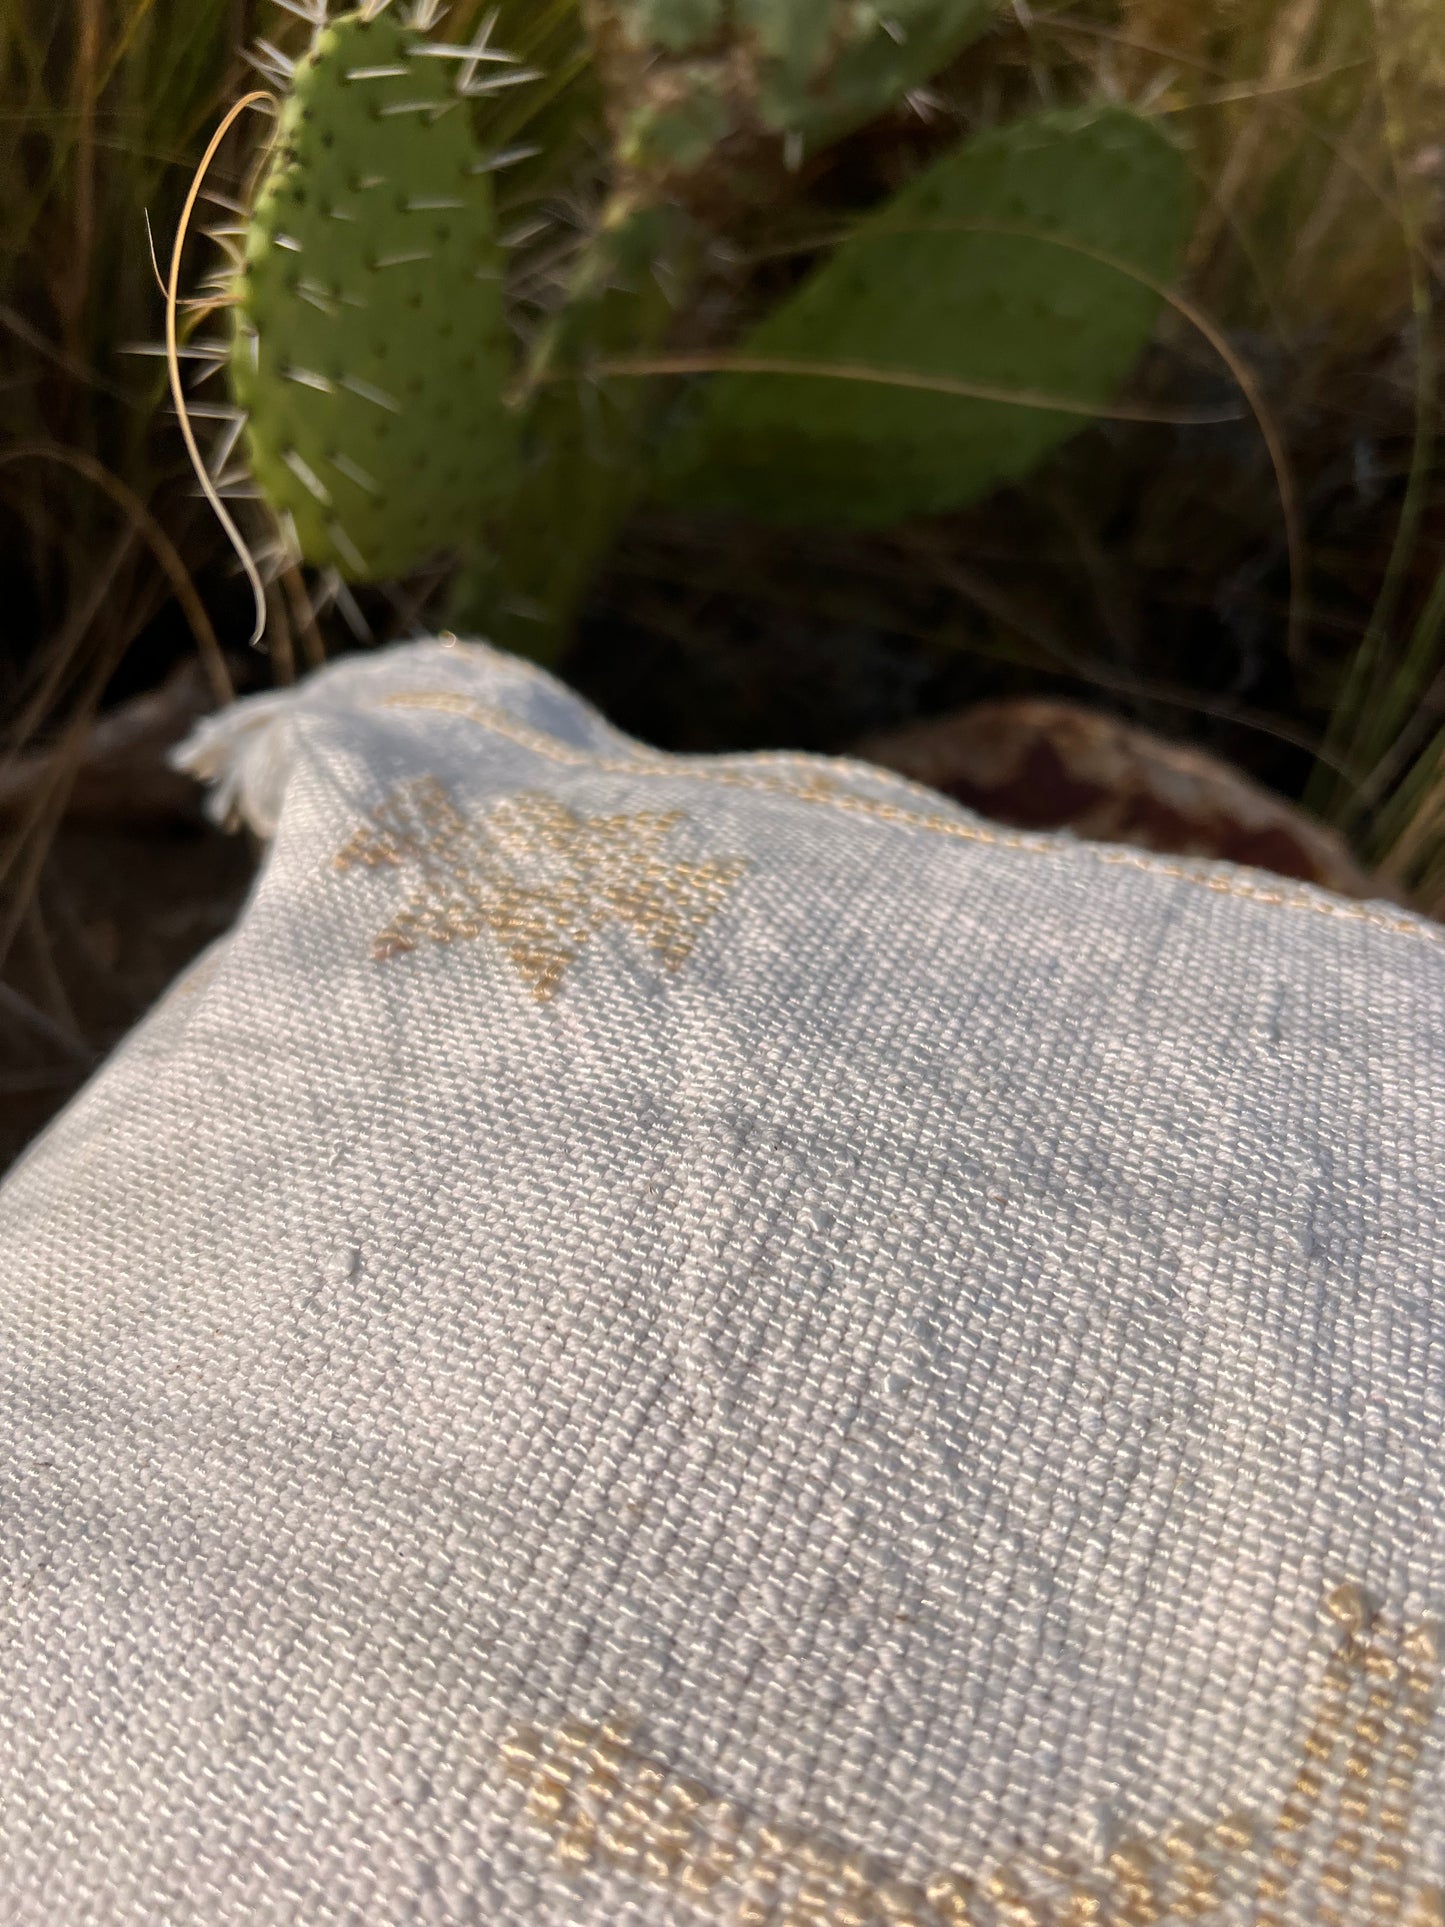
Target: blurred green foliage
912, 371
1151, 564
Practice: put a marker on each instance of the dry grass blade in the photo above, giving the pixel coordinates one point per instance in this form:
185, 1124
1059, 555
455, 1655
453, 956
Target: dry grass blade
1289, 40
103, 105
1373, 714
22, 863
639, 367
1187, 310
1319, 187
173, 365
160, 544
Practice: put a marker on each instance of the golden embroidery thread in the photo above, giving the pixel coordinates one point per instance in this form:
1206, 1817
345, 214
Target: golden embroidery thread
789, 776
1348, 1811
1336, 1852
537, 878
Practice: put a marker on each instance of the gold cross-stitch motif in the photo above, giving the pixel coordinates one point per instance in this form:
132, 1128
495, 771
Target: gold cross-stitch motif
539, 879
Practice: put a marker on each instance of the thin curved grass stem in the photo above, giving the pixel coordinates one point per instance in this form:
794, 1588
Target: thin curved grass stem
1239, 369
207, 486
628, 367
1368, 713
156, 539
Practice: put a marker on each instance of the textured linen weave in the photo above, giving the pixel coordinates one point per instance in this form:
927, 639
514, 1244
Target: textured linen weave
653, 1342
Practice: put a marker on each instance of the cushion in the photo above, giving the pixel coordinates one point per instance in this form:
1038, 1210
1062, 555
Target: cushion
657, 1341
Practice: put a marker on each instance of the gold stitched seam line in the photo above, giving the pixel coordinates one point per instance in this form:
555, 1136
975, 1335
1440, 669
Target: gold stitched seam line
818, 788
1336, 1855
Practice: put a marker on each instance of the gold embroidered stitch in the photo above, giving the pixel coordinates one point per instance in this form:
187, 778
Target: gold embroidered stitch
540, 880
809, 786
1342, 1827
1336, 1852
1408, 1722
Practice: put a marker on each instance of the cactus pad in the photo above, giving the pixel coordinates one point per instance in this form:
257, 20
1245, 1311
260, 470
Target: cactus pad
691, 79
913, 293
370, 352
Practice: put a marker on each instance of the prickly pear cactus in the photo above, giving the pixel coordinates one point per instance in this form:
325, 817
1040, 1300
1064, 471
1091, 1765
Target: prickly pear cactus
1006, 267
692, 79
371, 355
587, 443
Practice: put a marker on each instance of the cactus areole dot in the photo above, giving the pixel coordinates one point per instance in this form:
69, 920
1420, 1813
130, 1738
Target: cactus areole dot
1026, 263
379, 436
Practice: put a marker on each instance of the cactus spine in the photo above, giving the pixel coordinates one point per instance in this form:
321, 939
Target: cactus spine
695, 84
371, 354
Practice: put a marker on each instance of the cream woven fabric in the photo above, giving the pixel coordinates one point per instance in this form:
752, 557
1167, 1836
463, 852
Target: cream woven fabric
656, 1342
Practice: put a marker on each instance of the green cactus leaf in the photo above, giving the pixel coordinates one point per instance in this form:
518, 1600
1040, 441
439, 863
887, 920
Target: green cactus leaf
830, 69
586, 443
371, 354
674, 25
694, 83
1043, 305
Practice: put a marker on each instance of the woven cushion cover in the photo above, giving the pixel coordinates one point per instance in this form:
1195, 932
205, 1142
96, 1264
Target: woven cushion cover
659, 1341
